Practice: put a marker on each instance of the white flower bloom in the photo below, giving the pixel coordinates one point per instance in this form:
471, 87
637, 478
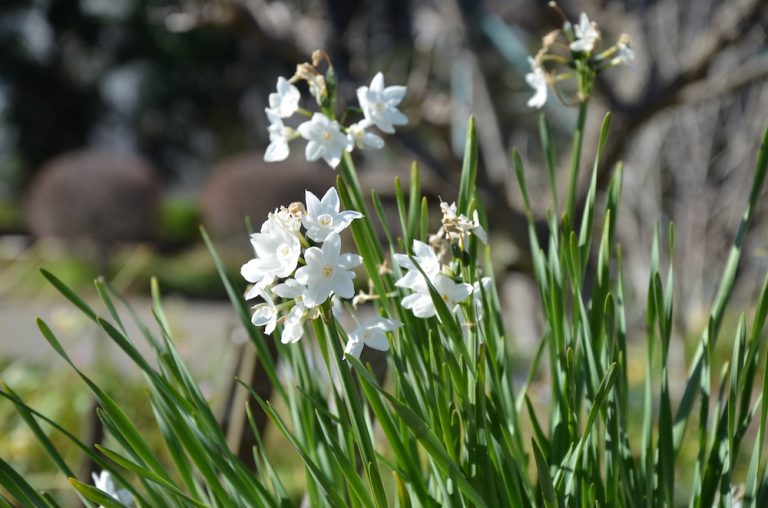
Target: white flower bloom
104, 483
253, 271
457, 226
624, 53
327, 271
284, 102
290, 290
478, 230
265, 314
277, 252
286, 219
293, 327
279, 136
361, 139
371, 333
379, 104
586, 34
323, 217
325, 139
421, 304
425, 258
538, 81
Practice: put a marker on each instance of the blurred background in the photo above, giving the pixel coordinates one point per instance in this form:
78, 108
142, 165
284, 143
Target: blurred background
125, 124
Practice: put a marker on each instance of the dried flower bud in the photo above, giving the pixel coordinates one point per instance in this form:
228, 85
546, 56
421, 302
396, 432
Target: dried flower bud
441, 246
297, 209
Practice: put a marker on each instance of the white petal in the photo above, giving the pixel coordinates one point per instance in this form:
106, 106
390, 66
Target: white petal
362, 98
378, 341
331, 246
397, 118
403, 261
421, 305
253, 292
314, 151
394, 94
373, 141
332, 159
252, 271
331, 199
460, 292
313, 204
302, 275
343, 286
422, 250
318, 293
377, 83
348, 261
354, 347
277, 151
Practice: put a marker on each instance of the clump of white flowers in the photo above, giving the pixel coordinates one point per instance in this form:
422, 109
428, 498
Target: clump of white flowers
293, 272
281, 248
581, 60
441, 263
326, 138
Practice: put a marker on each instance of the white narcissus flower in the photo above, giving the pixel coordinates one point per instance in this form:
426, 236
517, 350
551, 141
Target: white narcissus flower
104, 483
265, 314
325, 140
586, 34
323, 217
290, 289
279, 136
254, 272
426, 258
371, 333
361, 139
293, 327
379, 104
327, 271
284, 102
624, 52
538, 81
277, 252
421, 304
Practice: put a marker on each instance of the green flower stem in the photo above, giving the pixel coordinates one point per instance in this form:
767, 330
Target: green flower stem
578, 139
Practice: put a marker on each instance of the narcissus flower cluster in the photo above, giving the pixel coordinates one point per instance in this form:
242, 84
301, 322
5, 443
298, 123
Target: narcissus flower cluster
293, 273
302, 270
440, 262
326, 138
580, 60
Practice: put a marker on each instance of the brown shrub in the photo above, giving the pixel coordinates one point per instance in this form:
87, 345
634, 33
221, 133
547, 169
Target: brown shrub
96, 196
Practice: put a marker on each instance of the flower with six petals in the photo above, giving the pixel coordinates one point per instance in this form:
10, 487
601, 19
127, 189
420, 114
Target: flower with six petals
327, 271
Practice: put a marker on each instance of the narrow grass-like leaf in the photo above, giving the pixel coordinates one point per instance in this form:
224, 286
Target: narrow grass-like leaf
545, 479
468, 169
14, 483
95, 495
69, 294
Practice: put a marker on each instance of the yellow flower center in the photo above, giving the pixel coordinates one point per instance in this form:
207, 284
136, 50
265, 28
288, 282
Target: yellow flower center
327, 271
327, 135
325, 220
